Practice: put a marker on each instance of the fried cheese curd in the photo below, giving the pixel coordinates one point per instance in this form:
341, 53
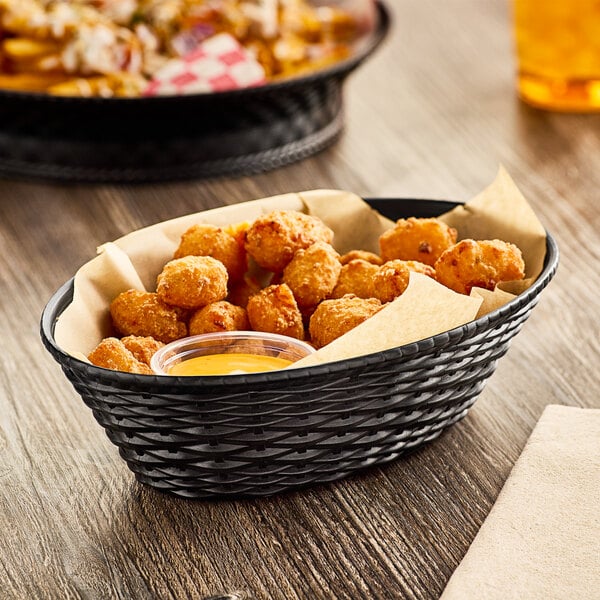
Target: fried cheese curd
333, 318
111, 353
391, 279
209, 240
311, 291
356, 277
313, 273
217, 317
241, 291
421, 239
274, 310
145, 314
370, 257
273, 239
482, 264
143, 348
192, 282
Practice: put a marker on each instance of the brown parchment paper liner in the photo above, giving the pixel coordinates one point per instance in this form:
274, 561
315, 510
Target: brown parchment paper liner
501, 212
135, 260
402, 321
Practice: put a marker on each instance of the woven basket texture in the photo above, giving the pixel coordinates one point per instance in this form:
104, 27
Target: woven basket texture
267, 433
164, 138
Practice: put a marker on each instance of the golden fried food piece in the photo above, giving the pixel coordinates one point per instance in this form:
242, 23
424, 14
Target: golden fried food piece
144, 314
369, 257
273, 239
123, 85
356, 278
313, 273
219, 316
482, 264
392, 278
192, 282
334, 318
111, 353
416, 239
274, 310
30, 82
143, 348
241, 291
209, 240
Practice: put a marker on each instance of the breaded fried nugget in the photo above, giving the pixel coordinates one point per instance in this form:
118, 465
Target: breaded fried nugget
274, 310
313, 273
209, 240
240, 291
144, 314
482, 264
392, 278
192, 282
111, 353
219, 316
370, 257
273, 239
416, 239
356, 278
334, 318
143, 348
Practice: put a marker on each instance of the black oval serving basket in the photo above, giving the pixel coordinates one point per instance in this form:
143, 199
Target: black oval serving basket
176, 137
261, 434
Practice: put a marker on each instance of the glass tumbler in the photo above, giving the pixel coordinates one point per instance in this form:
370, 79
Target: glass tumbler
558, 53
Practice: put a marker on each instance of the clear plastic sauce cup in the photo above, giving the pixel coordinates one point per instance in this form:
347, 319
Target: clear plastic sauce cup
228, 353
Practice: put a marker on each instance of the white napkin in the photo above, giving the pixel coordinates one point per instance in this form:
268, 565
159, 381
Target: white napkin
541, 539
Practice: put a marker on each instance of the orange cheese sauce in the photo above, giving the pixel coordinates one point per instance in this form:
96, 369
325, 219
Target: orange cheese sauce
228, 364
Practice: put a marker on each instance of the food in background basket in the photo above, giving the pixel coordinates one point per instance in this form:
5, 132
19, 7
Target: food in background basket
116, 47
291, 281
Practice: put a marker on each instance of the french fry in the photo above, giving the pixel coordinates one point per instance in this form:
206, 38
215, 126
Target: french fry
116, 84
74, 87
30, 82
28, 49
51, 63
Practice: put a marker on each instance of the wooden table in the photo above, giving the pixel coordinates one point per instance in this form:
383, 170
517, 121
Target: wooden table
432, 115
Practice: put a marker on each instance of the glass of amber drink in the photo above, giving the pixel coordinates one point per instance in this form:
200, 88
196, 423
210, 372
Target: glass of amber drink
558, 52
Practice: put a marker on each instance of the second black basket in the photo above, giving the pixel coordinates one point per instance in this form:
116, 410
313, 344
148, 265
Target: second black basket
176, 137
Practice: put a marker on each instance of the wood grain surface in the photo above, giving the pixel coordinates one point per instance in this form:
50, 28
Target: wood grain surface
431, 115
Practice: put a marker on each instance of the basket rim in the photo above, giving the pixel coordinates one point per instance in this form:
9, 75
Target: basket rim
340, 68
63, 296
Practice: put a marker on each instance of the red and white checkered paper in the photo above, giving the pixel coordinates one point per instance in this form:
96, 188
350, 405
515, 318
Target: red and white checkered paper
218, 64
